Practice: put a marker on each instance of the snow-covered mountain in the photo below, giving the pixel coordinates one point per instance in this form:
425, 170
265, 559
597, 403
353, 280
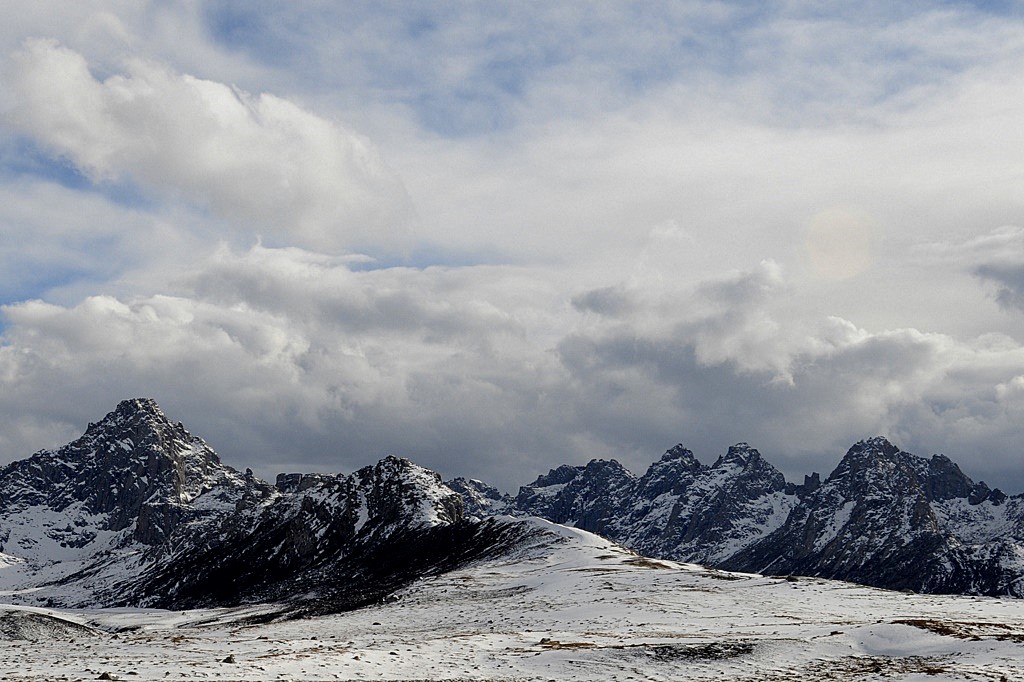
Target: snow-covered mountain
888, 518
81, 521
140, 512
679, 509
884, 517
480, 500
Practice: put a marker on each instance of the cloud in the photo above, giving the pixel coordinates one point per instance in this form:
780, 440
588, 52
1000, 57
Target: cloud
609, 301
60, 243
657, 195
995, 257
998, 258
260, 161
492, 68
926, 391
1009, 279
287, 359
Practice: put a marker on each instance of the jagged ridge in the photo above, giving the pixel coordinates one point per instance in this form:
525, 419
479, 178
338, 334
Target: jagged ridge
139, 512
883, 517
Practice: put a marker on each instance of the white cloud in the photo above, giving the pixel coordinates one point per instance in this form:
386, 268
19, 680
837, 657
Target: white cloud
286, 359
622, 160
715, 379
260, 161
285, 356
996, 257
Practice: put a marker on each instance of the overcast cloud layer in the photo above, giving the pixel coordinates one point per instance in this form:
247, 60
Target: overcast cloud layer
497, 238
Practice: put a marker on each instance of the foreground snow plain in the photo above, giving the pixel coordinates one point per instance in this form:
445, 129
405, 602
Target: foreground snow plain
567, 605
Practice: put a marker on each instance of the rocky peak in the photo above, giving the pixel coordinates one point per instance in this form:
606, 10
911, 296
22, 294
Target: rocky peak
479, 499
946, 481
460, 484
740, 456
872, 450
744, 472
297, 483
588, 497
137, 447
135, 408
678, 453
879, 465
559, 476
546, 497
606, 469
398, 492
673, 472
811, 483
132, 468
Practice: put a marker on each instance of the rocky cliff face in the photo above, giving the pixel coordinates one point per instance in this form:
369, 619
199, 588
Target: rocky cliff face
680, 509
710, 512
315, 531
887, 518
481, 500
884, 517
590, 497
132, 478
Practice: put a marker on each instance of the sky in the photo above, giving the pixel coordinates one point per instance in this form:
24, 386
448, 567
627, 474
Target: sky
499, 237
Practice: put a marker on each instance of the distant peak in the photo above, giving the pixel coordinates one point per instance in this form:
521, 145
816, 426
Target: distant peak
740, 454
677, 452
603, 464
561, 475
673, 463
871, 455
877, 445
132, 413
742, 450
134, 406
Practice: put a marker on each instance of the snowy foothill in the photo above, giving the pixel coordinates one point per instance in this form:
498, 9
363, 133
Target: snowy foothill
565, 604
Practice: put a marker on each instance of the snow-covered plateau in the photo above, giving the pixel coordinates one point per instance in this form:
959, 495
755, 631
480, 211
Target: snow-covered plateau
564, 605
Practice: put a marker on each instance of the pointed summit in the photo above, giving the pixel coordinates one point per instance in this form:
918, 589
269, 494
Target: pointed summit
674, 471
124, 467
137, 441
678, 452
139, 406
740, 455
140, 420
879, 445
877, 464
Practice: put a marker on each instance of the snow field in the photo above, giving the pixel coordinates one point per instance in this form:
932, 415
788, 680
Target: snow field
568, 606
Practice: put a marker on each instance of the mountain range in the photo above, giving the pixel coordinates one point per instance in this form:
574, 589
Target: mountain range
139, 512
883, 517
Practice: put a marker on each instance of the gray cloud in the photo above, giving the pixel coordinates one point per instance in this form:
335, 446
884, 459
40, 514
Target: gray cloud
608, 301
995, 257
1009, 279
476, 374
